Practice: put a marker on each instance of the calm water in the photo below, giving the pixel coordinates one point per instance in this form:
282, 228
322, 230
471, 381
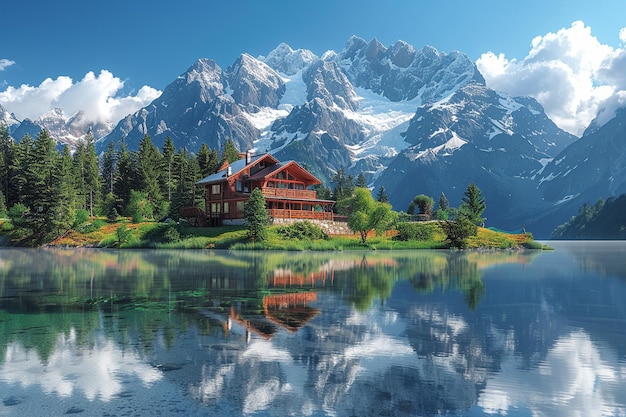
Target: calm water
420, 333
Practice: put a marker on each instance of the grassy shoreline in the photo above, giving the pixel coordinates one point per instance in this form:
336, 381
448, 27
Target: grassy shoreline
99, 233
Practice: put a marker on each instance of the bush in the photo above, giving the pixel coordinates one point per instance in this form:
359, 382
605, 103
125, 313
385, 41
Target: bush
92, 227
112, 214
162, 233
17, 214
415, 231
81, 217
122, 234
302, 230
7, 226
458, 231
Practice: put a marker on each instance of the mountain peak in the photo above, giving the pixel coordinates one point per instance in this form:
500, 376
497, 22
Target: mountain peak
287, 60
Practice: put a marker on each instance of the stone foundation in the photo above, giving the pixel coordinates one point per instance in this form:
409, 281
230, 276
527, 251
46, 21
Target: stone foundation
329, 226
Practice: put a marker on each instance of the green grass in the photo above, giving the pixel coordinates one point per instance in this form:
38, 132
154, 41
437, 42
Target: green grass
102, 233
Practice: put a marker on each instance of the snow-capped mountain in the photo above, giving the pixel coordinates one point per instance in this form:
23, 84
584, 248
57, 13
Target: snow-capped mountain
65, 130
478, 135
591, 168
414, 121
8, 119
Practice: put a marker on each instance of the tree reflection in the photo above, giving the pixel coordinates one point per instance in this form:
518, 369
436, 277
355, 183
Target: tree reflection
264, 292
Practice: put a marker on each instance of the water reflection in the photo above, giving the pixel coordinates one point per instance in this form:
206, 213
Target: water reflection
409, 333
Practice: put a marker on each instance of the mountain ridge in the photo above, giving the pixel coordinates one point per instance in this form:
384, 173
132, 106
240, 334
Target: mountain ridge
412, 120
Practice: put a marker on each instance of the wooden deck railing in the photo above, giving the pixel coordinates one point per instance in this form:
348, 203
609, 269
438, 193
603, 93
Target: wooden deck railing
289, 193
300, 214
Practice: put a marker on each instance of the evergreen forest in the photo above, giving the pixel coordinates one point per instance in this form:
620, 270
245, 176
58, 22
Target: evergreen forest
45, 189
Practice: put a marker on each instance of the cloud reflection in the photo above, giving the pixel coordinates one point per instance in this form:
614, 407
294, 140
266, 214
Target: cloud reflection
575, 379
98, 371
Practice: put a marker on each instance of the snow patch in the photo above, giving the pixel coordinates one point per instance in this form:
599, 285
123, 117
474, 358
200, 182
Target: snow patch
567, 198
447, 149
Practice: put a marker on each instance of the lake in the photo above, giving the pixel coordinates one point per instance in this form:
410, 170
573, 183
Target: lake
93, 332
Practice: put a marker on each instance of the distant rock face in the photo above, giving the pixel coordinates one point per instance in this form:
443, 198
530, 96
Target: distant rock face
195, 108
402, 73
8, 119
65, 130
287, 61
254, 84
593, 167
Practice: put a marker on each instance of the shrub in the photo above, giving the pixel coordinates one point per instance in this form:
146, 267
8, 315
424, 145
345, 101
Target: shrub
458, 231
415, 231
122, 234
302, 230
18, 213
93, 226
81, 217
162, 233
7, 226
112, 214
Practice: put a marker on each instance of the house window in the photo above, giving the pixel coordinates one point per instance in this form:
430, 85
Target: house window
215, 189
240, 206
226, 208
215, 207
238, 186
246, 187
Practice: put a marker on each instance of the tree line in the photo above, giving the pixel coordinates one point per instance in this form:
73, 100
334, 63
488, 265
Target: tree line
606, 219
46, 190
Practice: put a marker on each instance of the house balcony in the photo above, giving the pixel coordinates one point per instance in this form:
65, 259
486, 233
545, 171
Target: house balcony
289, 193
300, 214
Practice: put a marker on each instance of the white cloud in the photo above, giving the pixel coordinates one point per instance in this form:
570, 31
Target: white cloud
569, 72
5, 63
95, 95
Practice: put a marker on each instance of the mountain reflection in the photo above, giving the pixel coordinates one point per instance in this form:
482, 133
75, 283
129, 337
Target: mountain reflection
408, 333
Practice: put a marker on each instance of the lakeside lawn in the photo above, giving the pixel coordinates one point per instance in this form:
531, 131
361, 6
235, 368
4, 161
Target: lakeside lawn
99, 233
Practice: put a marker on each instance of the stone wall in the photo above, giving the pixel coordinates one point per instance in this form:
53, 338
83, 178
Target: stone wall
328, 226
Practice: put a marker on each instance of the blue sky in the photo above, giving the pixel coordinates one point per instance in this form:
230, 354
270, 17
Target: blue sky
149, 43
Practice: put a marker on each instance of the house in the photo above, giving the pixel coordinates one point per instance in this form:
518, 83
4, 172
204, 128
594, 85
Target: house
285, 186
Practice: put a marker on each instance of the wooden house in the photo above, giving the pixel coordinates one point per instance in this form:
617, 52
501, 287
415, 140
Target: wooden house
285, 186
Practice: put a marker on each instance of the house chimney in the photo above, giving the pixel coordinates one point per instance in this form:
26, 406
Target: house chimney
229, 171
248, 156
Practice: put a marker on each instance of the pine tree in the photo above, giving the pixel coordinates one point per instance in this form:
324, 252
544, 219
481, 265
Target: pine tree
92, 175
6, 146
149, 161
68, 203
185, 174
3, 207
108, 169
256, 216
230, 152
168, 160
382, 196
473, 204
43, 193
443, 202
79, 162
125, 177
20, 160
208, 160
361, 182
443, 208
344, 185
